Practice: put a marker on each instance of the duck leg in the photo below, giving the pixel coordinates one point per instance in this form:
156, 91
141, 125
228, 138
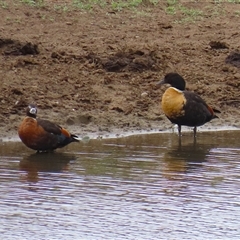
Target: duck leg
195, 132
179, 131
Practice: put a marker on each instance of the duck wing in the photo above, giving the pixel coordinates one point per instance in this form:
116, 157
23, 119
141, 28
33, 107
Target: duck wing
50, 127
63, 135
198, 101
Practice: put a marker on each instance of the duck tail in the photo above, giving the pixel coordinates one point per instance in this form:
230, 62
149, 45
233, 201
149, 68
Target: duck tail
216, 110
75, 138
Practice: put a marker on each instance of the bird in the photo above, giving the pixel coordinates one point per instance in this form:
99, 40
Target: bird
184, 107
43, 135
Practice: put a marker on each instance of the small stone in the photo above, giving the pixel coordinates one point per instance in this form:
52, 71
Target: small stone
237, 75
144, 94
225, 69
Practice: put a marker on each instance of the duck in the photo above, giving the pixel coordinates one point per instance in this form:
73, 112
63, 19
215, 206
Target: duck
43, 135
182, 107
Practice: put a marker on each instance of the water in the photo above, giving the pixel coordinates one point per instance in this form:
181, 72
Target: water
137, 187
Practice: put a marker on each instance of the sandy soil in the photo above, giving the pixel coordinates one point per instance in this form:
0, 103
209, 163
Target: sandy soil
95, 71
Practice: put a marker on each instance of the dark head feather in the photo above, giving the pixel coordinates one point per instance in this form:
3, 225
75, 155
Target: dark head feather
175, 80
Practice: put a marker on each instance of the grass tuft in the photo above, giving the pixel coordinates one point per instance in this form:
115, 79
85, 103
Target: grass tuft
34, 3
186, 14
3, 4
88, 4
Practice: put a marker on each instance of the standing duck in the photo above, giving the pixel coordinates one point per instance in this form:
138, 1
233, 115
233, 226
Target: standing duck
43, 135
184, 107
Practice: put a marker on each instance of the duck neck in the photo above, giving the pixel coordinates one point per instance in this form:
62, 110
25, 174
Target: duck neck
31, 115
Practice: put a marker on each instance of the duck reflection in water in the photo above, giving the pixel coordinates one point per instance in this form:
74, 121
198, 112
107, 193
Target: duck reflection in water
46, 162
185, 158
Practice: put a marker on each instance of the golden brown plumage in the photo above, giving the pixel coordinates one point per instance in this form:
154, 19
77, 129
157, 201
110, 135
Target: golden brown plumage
173, 102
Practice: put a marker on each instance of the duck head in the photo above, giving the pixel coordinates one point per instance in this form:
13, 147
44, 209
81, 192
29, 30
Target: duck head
174, 79
31, 110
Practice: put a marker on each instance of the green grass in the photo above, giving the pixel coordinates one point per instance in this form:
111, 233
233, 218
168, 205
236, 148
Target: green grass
88, 4
115, 5
3, 4
35, 3
237, 13
186, 14
173, 7
120, 5
62, 7
30, 2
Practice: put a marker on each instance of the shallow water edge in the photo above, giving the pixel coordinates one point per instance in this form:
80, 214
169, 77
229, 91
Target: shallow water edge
119, 133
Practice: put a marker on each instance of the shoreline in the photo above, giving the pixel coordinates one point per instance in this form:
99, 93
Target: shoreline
119, 133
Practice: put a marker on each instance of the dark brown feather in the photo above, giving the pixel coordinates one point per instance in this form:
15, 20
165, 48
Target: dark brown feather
49, 126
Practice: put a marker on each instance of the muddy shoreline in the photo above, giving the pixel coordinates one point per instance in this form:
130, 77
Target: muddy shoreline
94, 72
86, 135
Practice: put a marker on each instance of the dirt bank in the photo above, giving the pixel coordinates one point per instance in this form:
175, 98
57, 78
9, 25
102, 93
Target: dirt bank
95, 71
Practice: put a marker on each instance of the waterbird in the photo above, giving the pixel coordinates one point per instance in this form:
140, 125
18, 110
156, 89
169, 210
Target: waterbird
184, 107
43, 135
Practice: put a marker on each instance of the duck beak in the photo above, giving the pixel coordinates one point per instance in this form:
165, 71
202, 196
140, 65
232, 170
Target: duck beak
160, 83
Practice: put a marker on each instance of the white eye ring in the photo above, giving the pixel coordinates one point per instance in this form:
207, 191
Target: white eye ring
33, 111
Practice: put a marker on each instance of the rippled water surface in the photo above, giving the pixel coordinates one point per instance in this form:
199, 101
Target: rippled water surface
138, 187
